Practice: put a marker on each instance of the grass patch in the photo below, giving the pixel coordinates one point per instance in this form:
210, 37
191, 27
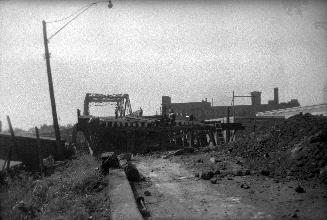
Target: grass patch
75, 191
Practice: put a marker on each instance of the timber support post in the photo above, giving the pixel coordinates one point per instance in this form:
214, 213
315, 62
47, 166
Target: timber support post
227, 129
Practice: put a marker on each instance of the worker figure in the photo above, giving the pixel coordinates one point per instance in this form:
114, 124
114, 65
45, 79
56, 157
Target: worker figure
116, 112
141, 112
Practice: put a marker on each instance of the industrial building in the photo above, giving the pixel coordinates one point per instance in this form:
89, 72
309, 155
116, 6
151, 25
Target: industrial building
205, 110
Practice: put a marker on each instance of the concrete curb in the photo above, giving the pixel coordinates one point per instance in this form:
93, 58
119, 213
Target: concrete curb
122, 201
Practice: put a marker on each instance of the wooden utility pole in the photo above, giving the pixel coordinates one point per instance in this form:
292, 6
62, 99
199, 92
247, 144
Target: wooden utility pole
52, 97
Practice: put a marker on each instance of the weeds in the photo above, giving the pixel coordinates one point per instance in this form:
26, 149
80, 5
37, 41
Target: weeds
74, 192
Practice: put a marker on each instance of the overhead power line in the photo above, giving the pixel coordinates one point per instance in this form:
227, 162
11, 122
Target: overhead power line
69, 16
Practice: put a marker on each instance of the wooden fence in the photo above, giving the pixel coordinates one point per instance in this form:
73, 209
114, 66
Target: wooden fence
26, 150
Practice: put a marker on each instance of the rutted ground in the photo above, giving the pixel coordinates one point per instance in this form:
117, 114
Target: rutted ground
279, 172
176, 192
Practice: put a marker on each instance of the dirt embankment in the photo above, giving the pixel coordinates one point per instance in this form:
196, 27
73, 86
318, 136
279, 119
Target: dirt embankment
297, 147
281, 169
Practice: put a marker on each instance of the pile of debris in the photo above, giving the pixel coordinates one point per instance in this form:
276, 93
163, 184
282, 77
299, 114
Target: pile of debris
123, 161
297, 147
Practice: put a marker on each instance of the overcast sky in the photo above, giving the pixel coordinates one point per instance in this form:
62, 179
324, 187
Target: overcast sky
189, 50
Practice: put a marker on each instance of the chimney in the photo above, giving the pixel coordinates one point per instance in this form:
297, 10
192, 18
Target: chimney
165, 105
276, 99
256, 98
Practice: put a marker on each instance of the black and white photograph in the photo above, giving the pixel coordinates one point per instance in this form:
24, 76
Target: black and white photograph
163, 109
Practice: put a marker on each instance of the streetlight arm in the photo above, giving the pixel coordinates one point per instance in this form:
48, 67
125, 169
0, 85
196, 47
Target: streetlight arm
59, 148
69, 16
87, 7
70, 21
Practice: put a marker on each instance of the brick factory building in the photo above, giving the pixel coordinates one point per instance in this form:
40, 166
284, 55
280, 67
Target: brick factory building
204, 110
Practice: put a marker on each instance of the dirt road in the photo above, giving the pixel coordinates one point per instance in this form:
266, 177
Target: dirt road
177, 193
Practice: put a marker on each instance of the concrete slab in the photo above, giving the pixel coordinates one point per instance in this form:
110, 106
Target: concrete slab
123, 203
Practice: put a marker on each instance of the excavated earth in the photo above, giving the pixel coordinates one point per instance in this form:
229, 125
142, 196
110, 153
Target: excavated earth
296, 148
278, 173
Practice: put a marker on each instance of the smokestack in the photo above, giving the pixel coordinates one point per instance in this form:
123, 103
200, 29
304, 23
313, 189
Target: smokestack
165, 105
276, 98
256, 98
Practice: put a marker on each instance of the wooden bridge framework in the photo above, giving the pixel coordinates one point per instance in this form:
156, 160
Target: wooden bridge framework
139, 135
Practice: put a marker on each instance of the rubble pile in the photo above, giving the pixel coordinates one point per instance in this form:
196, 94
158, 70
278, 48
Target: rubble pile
297, 147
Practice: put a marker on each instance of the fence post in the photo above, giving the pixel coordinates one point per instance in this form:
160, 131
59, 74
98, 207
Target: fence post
39, 150
14, 143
